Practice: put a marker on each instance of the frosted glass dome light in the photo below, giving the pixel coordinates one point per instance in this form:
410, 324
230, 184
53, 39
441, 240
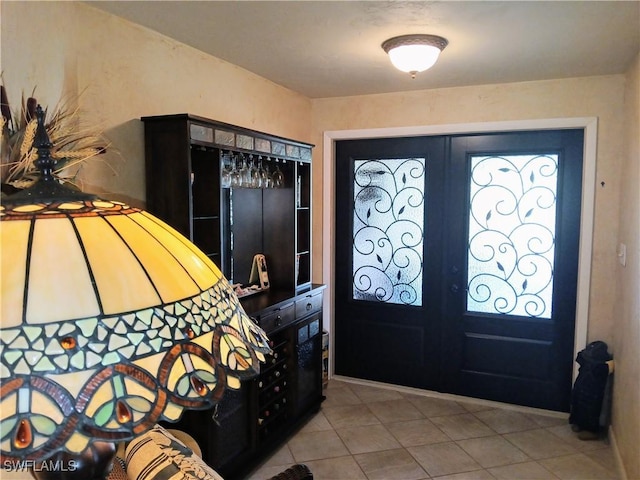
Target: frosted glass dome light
414, 53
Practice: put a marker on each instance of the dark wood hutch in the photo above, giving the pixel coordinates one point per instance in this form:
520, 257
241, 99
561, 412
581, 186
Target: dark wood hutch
189, 163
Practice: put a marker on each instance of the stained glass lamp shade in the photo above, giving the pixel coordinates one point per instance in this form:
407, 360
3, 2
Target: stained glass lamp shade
110, 322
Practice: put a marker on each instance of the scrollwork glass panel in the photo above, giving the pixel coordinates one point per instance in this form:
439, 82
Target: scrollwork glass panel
388, 228
511, 247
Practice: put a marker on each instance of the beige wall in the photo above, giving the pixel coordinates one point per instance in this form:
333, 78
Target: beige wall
626, 333
124, 72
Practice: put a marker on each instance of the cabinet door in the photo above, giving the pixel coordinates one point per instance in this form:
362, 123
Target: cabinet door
224, 432
230, 432
309, 361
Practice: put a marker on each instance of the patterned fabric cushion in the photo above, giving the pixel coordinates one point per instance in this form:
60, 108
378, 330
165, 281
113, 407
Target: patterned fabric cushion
158, 455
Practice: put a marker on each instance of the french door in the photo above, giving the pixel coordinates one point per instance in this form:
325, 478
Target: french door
456, 263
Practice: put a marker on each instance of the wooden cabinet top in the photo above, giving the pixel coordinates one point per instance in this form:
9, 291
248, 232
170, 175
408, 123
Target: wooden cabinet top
261, 303
204, 131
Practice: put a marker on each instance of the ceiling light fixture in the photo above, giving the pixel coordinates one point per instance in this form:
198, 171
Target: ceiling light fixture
414, 53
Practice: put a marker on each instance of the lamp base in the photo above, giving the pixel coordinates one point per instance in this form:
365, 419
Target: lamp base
94, 463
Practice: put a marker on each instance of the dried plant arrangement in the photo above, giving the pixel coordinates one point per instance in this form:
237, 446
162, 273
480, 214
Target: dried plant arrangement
73, 144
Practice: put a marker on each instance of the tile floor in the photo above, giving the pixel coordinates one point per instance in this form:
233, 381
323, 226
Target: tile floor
375, 433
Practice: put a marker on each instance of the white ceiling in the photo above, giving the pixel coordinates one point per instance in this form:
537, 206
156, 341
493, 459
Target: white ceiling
332, 48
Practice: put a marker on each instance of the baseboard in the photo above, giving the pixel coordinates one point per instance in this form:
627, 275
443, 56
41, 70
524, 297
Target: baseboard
622, 473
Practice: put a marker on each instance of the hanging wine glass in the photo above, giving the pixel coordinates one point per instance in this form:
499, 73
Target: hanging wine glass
235, 174
254, 173
278, 177
225, 172
245, 176
268, 178
263, 174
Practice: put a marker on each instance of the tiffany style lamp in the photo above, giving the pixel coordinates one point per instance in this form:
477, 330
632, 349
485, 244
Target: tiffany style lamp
110, 322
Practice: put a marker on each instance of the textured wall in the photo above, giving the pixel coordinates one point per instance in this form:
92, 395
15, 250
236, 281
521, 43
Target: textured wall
626, 333
123, 72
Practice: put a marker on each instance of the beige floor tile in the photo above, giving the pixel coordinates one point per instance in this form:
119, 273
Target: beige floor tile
492, 451
547, 420
350, 416
605, 457
506, 421
443, 459
341, 468
282, 456
475, 475
460, 427
372, 394
473, 407
417, 432
316, 445
390, 465
540, 443
395, 411
371, 438
435, 407
338, 394
522, 471
317, 423
577, 467
375, 424
571, 437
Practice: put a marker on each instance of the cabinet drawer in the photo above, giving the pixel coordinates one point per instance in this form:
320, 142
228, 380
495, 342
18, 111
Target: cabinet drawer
277, 318
308, 305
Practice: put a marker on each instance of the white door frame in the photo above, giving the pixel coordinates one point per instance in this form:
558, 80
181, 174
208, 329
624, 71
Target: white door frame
590, 125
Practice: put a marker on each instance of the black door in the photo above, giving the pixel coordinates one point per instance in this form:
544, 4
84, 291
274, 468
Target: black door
456, 263
387, 295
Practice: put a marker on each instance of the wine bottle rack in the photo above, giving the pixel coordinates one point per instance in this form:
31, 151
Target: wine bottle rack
274, 389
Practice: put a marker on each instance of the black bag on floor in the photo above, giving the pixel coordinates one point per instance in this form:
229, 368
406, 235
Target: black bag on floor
589, 388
